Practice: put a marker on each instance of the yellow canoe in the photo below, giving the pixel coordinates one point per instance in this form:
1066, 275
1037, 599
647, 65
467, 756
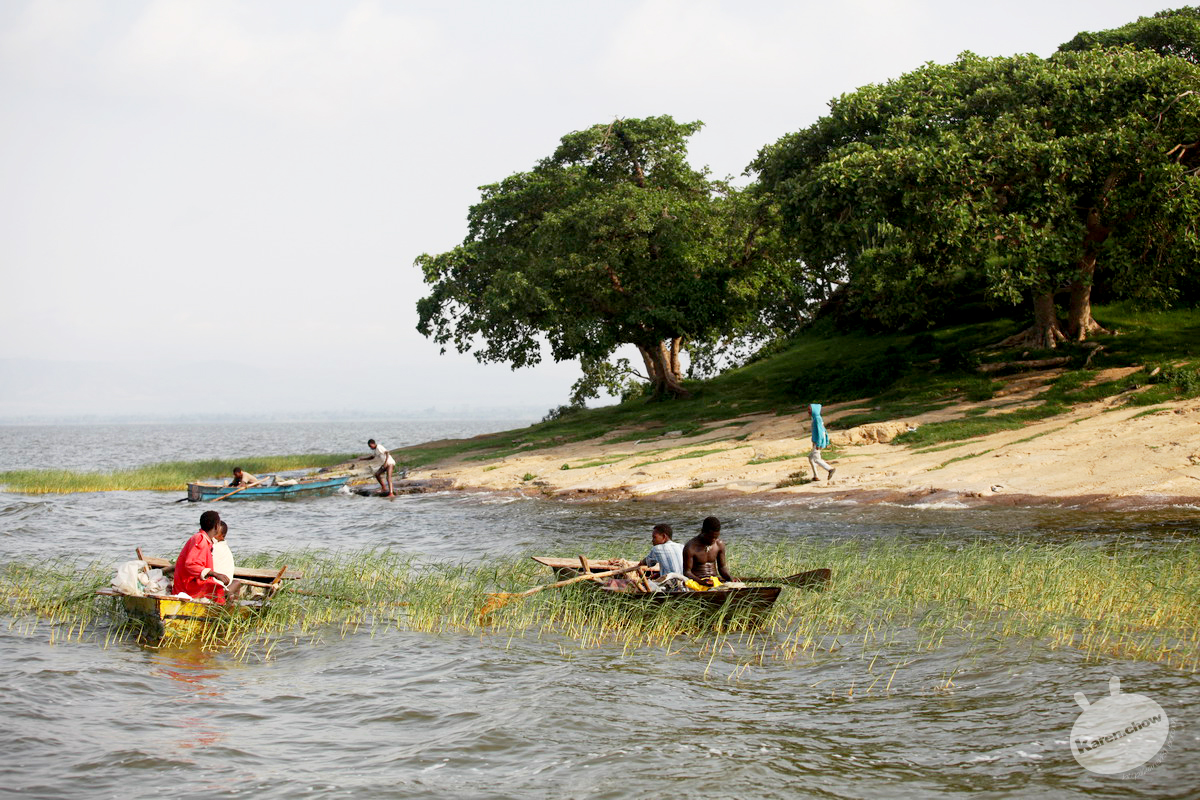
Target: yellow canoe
176, 617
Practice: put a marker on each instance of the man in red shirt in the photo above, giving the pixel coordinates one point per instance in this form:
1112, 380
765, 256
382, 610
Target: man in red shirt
194, 567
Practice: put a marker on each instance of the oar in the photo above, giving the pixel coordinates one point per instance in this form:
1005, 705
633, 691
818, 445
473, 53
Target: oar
231, 494
813, 579
500, 599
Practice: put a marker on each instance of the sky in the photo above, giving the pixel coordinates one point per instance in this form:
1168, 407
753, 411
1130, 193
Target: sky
212, 207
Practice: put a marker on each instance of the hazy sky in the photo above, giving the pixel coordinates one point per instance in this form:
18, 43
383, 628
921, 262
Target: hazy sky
198, 192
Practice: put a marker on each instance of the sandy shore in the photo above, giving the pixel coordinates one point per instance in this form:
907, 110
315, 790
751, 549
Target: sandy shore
1101, 455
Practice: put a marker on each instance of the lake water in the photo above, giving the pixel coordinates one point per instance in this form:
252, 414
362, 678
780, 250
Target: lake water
401, 714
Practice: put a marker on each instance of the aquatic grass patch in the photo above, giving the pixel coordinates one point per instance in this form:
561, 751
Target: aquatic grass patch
165, 476
887, 601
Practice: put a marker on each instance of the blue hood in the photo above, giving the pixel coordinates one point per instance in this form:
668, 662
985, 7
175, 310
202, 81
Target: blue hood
820, 438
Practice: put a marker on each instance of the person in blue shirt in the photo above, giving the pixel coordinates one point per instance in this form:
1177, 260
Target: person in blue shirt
820, 440
665, 553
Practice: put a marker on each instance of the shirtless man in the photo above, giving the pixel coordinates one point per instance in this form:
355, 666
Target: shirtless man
704, 555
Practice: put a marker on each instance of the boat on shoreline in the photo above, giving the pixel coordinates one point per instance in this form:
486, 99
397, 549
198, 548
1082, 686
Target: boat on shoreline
315, 486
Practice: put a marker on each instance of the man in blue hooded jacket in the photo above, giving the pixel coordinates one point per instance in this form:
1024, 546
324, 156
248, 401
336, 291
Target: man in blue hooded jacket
820, 440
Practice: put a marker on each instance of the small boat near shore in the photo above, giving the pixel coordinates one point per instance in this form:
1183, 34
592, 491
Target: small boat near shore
756, 598
168, 615
314, 486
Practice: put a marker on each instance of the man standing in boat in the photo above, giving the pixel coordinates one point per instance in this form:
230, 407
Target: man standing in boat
194, 567
382, 464
704, 558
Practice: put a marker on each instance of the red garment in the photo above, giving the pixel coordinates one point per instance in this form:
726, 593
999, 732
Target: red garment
194, 559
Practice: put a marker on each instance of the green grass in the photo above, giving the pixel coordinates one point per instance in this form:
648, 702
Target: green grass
690, 454
771, 460
166, 476
888, 600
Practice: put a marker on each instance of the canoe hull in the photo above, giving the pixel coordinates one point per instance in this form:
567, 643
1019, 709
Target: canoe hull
177, 618
199, 492
756, 598
751, 598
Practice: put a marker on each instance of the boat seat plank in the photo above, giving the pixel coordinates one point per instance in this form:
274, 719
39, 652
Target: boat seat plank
238, 572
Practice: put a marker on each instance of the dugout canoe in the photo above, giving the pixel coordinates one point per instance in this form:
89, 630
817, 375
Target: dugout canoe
305, 487
756, 598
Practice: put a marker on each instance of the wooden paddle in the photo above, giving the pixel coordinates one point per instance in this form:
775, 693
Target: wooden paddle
813, 579
498, 600
231, 494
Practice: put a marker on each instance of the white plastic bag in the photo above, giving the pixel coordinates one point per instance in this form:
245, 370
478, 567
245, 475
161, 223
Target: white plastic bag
126, 580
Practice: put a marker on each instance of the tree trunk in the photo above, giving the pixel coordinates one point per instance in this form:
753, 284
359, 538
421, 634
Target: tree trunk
1079, 315
1080, 323
666, 380
1045, 333
676, 344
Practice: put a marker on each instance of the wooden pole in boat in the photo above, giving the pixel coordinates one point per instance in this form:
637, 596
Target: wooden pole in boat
273, 587
231, 494
500, 599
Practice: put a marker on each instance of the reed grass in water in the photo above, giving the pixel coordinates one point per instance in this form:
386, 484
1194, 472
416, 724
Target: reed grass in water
166, 476
890, 600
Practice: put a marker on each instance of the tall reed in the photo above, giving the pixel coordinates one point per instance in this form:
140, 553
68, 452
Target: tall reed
165, 476
888, 601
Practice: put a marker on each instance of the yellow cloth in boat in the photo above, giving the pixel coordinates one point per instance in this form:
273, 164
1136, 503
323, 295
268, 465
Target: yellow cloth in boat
696, 586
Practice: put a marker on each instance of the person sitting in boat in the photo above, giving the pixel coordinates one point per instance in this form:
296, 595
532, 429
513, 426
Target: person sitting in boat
194, 567
665, 553
223, 559
704, 558
243, 479
382, 464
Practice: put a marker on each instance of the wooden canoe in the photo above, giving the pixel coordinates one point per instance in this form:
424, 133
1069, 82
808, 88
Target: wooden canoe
165, 615
757, 598
306, 487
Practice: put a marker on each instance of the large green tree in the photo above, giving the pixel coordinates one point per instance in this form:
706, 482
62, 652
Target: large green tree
1169, 33
1025, 174
612, 240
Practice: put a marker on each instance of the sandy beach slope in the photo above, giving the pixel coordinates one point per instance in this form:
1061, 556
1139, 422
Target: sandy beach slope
1100, 455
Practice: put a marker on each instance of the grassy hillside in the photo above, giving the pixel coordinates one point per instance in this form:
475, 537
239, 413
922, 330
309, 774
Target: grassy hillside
893, 375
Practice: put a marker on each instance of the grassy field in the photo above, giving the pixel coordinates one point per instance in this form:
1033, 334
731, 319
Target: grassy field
888, 602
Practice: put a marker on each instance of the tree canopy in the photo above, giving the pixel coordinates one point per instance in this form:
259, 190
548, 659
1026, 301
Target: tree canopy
613, 239
1022, 174
1168, 33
